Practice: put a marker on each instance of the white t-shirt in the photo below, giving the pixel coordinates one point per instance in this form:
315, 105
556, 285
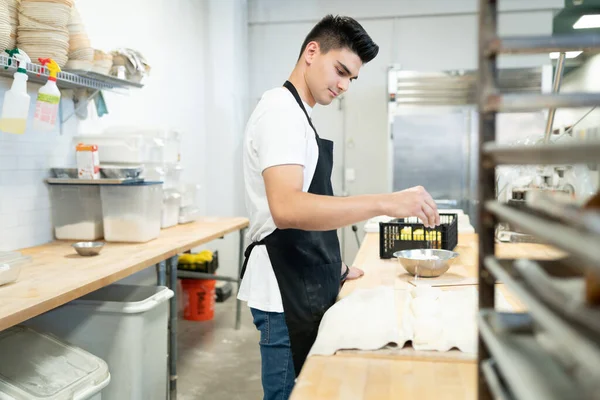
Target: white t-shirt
277, 133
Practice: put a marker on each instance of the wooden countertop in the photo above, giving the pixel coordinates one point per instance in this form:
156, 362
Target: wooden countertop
383, 375
58, 275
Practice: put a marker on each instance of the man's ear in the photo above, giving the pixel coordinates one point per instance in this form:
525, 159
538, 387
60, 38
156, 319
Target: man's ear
311, 50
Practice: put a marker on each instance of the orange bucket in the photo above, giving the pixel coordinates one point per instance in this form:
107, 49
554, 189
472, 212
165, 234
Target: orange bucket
199, 299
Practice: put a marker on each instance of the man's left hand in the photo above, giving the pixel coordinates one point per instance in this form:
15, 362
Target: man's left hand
355, 273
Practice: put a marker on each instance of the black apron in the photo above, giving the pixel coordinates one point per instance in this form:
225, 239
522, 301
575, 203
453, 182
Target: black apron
307, 264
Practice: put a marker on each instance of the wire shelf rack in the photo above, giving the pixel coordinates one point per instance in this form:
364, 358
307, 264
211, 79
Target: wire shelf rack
67, 80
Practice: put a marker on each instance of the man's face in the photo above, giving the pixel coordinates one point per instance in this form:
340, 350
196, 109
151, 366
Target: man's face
329, 75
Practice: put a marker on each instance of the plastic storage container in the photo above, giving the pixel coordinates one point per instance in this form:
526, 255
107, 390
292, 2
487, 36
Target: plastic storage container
190, 194
132, 149
189, 214
37, 366
169, 174
10, 266
173, 176
77, 212
127, 327
170, 138
154, 172
170, 208
132, 213
408, 233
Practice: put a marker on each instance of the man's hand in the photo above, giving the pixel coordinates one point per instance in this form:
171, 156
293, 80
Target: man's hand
355, 273
413, 202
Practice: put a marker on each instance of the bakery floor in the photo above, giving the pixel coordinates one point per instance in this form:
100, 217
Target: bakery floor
217, 362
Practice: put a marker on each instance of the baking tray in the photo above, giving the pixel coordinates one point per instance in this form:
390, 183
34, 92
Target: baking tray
561, 286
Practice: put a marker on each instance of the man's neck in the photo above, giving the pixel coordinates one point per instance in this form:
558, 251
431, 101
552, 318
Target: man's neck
297, 79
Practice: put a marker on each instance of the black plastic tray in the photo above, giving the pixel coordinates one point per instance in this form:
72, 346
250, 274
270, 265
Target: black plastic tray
392, 238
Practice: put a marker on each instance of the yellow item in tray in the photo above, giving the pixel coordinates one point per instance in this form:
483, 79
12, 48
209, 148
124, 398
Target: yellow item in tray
203, 257
419, 234
406, 233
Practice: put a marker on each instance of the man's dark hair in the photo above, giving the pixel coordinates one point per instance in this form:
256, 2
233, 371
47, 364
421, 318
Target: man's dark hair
342, 32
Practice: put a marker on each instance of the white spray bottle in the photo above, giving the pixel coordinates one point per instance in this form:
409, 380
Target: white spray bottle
46, 106
15, 108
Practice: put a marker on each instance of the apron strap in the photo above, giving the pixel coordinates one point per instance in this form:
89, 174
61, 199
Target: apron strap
247, 255
289, 86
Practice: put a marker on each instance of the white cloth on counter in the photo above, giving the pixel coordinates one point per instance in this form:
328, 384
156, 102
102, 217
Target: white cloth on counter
277, 133
433, 319
366, 320
464, 223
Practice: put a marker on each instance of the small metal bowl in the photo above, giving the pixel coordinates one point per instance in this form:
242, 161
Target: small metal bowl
88, 248
413, 263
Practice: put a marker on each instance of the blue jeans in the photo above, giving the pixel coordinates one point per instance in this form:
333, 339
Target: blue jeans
277, 366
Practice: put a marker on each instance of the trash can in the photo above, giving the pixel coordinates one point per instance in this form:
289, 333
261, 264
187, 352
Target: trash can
36, 366
125, 325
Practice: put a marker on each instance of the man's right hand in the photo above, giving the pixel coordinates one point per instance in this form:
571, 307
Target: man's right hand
413, 202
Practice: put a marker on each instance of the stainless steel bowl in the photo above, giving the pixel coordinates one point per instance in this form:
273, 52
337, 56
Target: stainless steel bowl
88, 248
121, 172
414, 264
64, 173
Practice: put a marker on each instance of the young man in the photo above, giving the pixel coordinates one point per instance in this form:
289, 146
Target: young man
293, 269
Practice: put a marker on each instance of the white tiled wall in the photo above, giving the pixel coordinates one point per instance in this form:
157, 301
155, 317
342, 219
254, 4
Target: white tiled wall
25, 213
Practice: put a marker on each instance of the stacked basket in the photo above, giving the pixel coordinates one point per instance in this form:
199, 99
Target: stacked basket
5, 26
102, 62
13, 18
81, 53
42, 30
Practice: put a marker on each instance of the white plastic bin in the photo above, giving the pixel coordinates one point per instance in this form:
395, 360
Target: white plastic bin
170, 138
76, 212
172, 141
132, 213
170, 208
36, 366
154, 172
169, 174
132, 149
126, 326
190, 193
173, 176
189, 214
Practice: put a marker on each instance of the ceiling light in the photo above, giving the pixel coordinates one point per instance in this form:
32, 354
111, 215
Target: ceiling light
587, 21
569, 54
